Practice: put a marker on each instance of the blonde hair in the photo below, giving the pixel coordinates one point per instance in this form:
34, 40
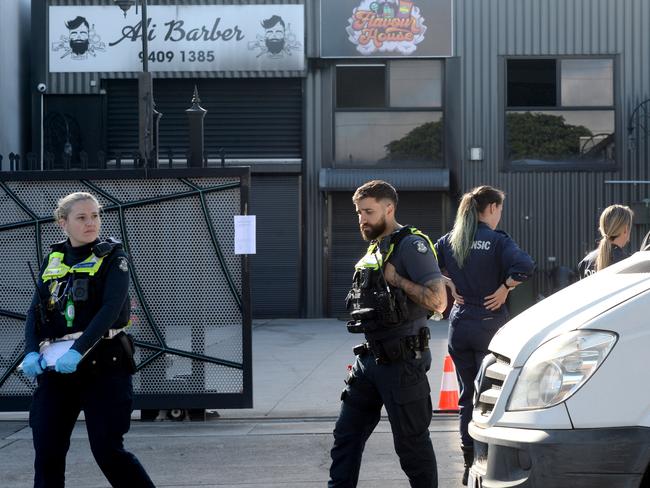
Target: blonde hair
65, 204
613, 221
471, 205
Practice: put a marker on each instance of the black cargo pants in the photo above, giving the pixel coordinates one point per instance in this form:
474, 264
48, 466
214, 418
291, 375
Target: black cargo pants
468, 342
102, 389
402, 387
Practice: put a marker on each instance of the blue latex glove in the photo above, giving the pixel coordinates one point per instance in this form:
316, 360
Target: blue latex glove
33, 364
68, 362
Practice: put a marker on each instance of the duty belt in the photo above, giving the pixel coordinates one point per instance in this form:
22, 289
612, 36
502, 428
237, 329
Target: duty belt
76, 335
387, 351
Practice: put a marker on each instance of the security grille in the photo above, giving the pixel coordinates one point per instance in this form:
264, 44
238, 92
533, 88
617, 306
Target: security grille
494, 371
190, 298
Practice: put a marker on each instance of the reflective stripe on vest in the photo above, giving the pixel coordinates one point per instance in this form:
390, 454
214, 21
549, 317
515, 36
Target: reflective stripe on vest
56, 268
374, 259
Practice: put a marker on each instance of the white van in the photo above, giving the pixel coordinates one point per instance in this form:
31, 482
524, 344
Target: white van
563, 398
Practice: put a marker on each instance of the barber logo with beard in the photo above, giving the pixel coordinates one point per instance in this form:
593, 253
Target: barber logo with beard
278, 40
82, 40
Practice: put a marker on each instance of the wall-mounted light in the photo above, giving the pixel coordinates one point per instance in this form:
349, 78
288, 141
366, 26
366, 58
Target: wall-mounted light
476, 154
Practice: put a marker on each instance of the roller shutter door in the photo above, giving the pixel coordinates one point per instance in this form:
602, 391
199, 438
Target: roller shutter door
249, 118
275, 269
421, 209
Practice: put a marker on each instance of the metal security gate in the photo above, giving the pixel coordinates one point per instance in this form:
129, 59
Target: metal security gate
190, 297
424, 210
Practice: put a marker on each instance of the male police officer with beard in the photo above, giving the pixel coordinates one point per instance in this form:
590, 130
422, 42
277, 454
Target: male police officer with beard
396, 286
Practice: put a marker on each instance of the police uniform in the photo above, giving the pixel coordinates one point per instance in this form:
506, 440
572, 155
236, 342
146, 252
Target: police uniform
83, 295
587, 266
390, 368
494, 257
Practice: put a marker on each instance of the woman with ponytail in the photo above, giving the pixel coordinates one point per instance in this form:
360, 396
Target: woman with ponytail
483, 266
615, 226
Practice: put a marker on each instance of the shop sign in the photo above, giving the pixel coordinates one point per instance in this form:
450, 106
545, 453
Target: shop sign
387, 28
181, 38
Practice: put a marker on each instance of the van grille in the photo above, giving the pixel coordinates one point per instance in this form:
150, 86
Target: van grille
494, 371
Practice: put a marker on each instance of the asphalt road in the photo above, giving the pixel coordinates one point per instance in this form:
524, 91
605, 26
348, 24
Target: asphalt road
284, 441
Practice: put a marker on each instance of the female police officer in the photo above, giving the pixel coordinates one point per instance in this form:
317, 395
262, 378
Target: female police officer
615, 226
82, 297
484, 265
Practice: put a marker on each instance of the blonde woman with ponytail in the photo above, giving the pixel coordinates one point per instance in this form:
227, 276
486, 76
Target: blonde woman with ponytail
81, 307
615, 226
483, 266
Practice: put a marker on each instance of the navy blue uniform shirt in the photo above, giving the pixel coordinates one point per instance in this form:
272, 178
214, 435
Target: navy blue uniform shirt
587, 266
116, 291
414, 260
493, 258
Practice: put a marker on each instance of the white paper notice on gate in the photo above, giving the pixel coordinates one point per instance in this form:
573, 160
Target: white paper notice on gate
245, 234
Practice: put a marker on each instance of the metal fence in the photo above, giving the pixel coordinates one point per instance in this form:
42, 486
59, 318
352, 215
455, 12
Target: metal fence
83, 160
190, 295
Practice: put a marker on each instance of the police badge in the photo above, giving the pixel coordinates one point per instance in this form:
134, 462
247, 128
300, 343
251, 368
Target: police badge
123, 264
420, 246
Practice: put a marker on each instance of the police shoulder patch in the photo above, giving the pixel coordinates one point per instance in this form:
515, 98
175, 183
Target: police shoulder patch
420, 246
123, 264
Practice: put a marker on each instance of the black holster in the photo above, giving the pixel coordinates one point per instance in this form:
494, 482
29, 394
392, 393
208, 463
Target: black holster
128, 346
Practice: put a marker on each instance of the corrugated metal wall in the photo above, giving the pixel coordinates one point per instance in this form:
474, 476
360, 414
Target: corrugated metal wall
552, 213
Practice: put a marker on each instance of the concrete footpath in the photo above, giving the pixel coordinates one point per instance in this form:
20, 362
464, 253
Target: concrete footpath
284, 441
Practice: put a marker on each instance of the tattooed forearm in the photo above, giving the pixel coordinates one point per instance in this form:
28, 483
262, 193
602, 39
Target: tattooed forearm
432, 295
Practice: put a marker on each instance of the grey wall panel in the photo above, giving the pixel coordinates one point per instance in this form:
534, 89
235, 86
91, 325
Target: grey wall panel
313, 200
275, 269
552, 213
14, 82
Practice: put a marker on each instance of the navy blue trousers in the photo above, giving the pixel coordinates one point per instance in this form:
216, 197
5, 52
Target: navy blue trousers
468, 341
106, 400
402, 387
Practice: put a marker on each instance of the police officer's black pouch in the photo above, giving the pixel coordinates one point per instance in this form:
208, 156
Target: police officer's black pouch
129, 351
425, 335
110, 355
392, 349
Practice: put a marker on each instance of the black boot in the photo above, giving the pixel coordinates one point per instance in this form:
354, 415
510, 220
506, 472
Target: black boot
468, 457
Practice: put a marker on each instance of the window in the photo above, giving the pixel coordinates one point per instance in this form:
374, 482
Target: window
389, 113
560, 112
360, 87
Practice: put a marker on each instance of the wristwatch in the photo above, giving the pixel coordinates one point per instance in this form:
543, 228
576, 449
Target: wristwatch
505, 283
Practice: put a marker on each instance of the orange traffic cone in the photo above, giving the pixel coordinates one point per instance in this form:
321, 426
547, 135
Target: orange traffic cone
448, 402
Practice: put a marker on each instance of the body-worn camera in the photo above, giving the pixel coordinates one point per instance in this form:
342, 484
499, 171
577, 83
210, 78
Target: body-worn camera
80, 290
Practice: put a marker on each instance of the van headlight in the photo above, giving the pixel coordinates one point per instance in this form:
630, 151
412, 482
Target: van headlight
559, 367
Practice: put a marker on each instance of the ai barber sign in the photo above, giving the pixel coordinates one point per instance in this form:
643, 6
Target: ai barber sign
181, 38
